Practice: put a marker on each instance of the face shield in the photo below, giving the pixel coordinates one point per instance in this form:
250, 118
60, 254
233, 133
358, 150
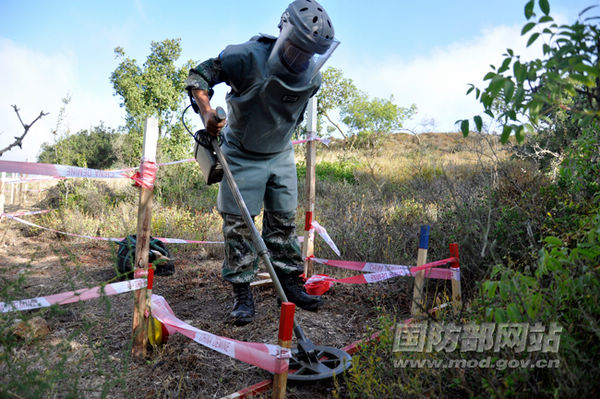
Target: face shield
293, 61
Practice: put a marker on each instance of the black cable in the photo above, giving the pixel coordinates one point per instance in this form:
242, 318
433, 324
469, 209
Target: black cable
183, 121
197, 137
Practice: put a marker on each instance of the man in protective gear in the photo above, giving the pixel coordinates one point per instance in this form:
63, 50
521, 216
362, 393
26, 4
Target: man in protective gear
271, 80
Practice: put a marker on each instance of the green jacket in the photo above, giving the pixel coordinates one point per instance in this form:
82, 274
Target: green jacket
263, 111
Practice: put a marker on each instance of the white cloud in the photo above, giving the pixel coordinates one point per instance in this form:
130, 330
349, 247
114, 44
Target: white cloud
437, 82
36, 82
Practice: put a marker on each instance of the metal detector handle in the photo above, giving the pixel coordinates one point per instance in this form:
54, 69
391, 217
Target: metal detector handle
221, 115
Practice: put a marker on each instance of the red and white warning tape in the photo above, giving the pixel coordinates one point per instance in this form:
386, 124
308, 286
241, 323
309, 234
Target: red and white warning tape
31, 179
181, 241
17, 219
16, 168
375, 272
45, 169
163, 239
313, 137
72, 296
323, 233
370, 267
23, 213
315, 226
146, 175
272, 358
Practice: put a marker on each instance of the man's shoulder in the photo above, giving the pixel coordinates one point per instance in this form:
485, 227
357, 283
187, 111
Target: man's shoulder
263, 38
257, 44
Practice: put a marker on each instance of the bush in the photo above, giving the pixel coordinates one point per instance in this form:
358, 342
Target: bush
340, 171
182, 185
89, 196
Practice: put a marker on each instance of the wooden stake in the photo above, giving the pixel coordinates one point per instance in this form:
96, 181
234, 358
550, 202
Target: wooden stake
456, 291
311, 163
2, 192
12, 189
264, 279
142, 247
286, 328
418, 303
24, 192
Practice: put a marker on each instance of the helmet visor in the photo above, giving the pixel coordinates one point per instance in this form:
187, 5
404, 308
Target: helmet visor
292, 61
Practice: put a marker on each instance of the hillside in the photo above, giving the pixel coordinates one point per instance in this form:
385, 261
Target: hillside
372, 197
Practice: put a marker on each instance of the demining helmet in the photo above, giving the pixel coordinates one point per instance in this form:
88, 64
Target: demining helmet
306, 40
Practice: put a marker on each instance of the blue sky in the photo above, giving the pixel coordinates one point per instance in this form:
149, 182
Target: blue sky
422, 53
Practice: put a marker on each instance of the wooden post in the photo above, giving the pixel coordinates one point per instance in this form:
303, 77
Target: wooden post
142, 246
24, 191
2, 192
455, 267
12, 189
311, 151
286, 328
418, 303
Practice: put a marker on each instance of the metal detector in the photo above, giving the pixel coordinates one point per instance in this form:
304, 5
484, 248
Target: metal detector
309, 362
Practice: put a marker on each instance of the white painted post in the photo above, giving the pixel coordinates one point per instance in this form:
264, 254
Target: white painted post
12, 189
2, 192
311, 151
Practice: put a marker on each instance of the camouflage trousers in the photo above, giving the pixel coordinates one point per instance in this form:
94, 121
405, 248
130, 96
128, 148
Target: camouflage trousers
279, 233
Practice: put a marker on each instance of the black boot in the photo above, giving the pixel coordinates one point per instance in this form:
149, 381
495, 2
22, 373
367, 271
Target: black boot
295, 292
243, 305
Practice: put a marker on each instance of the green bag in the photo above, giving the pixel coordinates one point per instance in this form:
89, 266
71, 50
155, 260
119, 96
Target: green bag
126, 257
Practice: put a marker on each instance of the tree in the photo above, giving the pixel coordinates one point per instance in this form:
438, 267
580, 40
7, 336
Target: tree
335, 92
529, 96
92, 149
375, 115
358, 112
157, 89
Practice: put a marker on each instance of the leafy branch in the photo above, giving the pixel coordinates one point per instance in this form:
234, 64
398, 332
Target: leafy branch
524, 96
19, 139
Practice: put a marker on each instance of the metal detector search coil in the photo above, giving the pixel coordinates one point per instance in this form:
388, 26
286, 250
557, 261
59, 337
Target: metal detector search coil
212, 170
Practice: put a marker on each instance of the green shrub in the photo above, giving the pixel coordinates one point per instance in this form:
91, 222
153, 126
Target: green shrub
182, 185
89, 196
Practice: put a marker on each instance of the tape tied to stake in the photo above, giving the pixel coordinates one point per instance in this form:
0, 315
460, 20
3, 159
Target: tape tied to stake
323, 233
375, 272
145, 273
308, 220
270, 357
146, 176
433, 264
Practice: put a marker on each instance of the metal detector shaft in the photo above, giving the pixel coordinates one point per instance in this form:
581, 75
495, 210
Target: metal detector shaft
257, 240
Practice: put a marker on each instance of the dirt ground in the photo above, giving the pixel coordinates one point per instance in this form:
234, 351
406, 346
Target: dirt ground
50, 263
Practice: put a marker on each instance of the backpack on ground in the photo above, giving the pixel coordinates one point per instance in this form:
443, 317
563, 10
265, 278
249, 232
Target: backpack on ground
126, 257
